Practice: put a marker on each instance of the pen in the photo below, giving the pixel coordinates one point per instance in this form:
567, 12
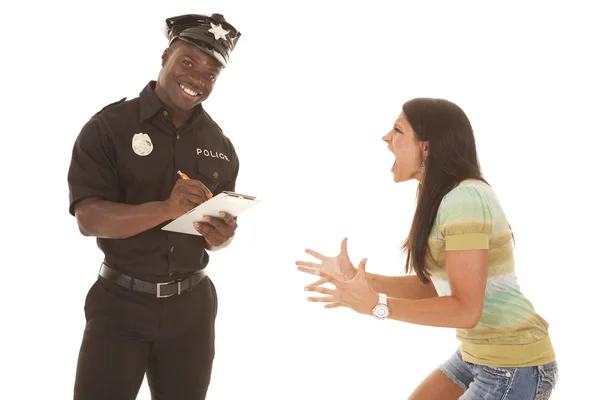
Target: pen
184, 176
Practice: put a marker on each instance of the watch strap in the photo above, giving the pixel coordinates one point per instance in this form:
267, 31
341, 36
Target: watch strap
382, 298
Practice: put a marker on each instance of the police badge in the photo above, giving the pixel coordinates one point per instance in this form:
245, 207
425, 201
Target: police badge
141, 144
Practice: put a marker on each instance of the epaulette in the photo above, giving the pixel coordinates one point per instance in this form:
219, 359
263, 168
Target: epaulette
111, 104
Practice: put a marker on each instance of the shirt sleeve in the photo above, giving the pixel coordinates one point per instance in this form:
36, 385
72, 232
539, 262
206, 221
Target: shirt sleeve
466, 219
229, 186
93, 169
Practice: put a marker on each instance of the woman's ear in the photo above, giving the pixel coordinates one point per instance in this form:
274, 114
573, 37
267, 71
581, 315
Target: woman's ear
425, 147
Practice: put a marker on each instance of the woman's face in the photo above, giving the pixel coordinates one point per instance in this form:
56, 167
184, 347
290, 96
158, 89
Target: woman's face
409, 152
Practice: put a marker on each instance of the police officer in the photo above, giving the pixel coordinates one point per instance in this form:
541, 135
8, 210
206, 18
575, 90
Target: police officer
152, 309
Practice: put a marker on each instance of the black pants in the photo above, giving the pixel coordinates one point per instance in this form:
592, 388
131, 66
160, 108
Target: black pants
129, 334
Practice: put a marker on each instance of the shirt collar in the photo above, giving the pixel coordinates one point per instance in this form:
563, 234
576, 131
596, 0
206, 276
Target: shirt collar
150, 104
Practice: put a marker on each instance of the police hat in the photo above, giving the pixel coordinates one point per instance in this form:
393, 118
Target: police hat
211, 34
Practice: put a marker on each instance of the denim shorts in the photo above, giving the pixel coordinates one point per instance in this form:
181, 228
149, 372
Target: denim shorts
494, 383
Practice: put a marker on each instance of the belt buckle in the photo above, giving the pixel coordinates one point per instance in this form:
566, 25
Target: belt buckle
159, 284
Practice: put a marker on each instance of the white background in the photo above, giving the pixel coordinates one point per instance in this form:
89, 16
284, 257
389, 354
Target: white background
311, 88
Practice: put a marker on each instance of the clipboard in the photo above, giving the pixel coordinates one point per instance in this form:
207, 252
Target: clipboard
229, 202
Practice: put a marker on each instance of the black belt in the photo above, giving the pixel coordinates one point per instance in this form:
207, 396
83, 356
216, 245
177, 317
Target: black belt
160, 289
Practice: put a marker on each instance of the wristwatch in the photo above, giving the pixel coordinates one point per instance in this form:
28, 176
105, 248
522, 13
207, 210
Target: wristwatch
381, 310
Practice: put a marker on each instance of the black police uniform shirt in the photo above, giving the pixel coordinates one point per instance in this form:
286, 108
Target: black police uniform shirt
130, 153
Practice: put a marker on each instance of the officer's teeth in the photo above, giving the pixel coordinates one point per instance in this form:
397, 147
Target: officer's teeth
188, 91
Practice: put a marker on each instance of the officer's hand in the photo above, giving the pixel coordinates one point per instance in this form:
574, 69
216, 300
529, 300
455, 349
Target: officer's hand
187, 194
216, 230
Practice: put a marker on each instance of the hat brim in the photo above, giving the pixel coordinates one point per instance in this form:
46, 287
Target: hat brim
204, 47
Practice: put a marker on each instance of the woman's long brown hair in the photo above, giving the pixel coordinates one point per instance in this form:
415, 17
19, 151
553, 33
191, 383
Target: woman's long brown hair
452, 158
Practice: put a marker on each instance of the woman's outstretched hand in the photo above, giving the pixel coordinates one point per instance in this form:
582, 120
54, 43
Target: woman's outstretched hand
339, 266
351, 287
355, 293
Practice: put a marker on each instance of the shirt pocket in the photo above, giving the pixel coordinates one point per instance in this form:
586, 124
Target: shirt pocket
214, 173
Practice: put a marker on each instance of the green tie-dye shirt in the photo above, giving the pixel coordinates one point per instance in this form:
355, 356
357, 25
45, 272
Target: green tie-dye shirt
510, 333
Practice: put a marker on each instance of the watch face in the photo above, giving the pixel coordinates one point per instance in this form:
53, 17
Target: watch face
380, 311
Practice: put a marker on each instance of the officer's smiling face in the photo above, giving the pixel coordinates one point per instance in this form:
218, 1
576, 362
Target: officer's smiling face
187, 77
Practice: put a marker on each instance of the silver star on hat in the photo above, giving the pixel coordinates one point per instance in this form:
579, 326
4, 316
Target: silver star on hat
218, 31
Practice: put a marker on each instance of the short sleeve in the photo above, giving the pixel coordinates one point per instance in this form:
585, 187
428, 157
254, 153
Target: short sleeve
93, 170
466, 219
234, 175
229, 186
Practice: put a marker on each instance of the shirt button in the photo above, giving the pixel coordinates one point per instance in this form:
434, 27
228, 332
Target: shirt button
215, 175
165, 113
508, 374
172, 248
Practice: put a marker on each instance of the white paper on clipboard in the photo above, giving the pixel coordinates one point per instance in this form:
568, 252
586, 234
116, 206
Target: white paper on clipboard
229, 202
